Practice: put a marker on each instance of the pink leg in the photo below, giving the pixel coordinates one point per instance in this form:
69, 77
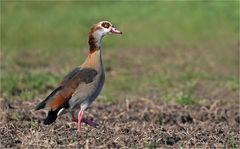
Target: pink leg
80, 115
83, 120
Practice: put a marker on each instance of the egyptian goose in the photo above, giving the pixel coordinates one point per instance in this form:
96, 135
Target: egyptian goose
83, 84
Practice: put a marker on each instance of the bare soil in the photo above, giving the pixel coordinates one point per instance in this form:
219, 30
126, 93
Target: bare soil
129, 124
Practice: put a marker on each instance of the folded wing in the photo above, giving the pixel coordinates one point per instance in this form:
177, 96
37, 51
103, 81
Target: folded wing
59, 98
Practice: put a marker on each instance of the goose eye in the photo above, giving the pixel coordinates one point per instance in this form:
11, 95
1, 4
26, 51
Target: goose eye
105, 25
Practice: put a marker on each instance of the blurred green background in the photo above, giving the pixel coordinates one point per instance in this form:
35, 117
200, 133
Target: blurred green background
172, 51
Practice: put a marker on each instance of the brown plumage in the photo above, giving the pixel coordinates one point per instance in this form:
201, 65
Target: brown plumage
83, 84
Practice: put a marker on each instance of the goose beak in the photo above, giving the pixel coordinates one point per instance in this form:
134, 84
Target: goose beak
115, 31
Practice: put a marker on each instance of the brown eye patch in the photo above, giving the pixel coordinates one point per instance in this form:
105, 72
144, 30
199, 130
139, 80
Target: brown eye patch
106, 25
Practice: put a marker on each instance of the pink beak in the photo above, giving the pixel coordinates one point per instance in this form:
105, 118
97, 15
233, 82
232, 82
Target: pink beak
115, 31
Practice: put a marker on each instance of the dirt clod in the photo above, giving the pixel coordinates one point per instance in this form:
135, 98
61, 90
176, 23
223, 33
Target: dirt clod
170, 140
186, 119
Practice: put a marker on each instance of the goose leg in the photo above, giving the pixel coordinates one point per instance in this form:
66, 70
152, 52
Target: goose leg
87, 121
80, 115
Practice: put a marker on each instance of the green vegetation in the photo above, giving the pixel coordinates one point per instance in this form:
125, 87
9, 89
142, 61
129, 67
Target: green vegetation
27, 86
167, 48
